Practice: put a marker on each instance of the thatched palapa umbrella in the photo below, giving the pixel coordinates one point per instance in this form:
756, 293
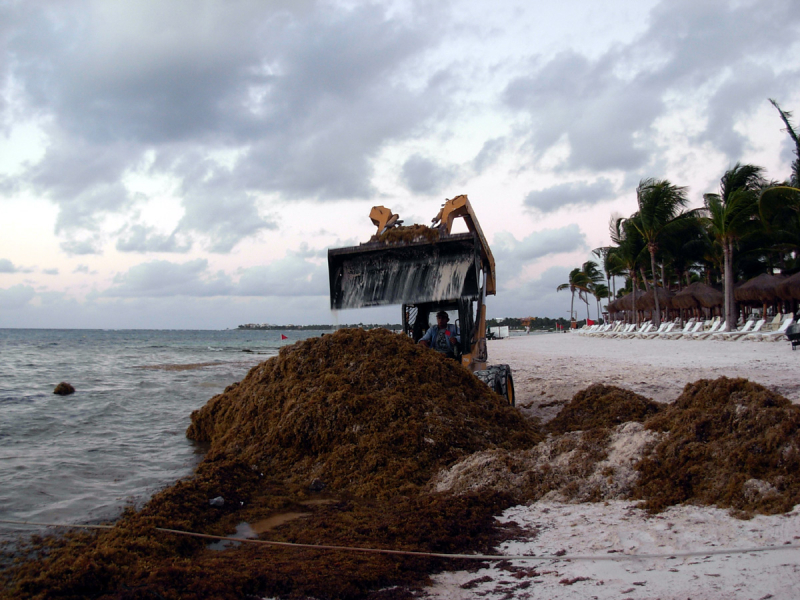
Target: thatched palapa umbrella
696, 295
647, 300
761, 289
684, 299
789, 288
625, 303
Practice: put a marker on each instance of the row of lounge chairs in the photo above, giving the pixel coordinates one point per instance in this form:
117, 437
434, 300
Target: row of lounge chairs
714, 329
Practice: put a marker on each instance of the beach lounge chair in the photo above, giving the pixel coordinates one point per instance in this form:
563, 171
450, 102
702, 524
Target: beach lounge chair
646, 326
699, 335
773, 324
615, 329
737, 333
667, 331
674, 335
652, 333
722, 327
772, 336
605, 328
694, 329
625, 329
734, 335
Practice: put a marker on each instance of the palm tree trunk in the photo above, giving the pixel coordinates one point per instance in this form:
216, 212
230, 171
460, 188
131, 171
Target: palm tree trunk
657, 315
572, 307
727, 250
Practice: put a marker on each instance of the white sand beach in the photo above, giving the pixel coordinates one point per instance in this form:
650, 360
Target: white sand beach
686, 540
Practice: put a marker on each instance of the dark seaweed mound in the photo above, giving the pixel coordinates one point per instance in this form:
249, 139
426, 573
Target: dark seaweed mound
369, 412
603, 406
731, 443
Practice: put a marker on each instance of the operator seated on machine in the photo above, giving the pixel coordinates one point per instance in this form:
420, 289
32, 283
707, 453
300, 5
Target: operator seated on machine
442, 337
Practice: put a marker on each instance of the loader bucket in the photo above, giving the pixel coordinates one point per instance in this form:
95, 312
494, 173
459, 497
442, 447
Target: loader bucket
377, 274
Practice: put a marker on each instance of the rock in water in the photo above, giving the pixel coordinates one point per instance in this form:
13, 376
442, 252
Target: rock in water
365, 411
64, 389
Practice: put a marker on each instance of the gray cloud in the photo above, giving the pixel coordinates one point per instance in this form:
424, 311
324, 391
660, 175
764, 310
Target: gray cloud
50, 271
579, 193
305, 97
488, 155
163, 278
539, 244
425, 176
534, 297
290, 276
83, 247
16, 297
607, 106
141, 238
6, 266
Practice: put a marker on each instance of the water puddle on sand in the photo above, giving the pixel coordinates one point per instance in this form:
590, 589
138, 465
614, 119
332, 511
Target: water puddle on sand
248, 531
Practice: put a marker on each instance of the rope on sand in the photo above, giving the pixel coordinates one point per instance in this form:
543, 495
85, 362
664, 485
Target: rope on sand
498, 557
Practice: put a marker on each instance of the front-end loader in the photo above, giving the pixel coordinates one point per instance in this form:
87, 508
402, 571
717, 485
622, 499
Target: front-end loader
426, 269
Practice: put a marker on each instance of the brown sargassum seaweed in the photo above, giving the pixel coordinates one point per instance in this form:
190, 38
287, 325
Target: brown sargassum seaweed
370, 415
407, 234
373, 418
731, 443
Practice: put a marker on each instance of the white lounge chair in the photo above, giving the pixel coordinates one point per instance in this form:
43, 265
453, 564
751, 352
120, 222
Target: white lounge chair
603, 329
629, 328
749, 327
646, 326
722, 327
694, 329
617, 327
715, 325
674, 335
772, 336
652, 333
668, 330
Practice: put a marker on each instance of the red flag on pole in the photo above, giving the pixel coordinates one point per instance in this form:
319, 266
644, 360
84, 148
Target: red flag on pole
283, 337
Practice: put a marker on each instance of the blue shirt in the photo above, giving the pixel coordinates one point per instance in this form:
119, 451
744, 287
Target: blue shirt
438, 339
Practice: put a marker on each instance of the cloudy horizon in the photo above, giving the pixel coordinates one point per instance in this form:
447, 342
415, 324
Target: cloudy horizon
184, 165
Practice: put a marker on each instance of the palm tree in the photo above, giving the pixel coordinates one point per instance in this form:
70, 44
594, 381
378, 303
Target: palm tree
630, 246
610, 264
660, 205
730, 215
794, 180
684, 247
594, 276
779, 204
577, 282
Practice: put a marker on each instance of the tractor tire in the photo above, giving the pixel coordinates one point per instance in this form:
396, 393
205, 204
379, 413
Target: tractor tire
499, 380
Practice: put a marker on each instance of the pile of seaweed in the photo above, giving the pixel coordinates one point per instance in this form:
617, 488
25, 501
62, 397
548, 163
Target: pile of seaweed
602, 406
367, 412
344, 430
407, 234
731, 443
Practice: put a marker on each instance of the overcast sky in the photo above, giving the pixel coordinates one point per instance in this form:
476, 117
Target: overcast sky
188, 164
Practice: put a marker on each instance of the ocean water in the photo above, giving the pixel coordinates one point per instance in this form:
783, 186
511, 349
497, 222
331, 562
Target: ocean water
121, 436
